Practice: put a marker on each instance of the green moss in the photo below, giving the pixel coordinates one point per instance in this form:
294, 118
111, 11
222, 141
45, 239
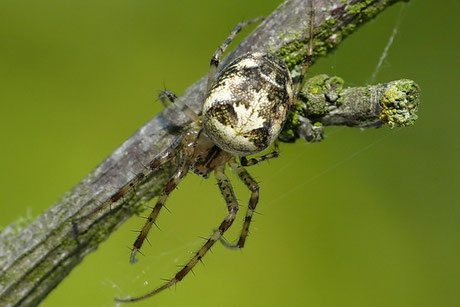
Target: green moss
315, 99
288, 135
318, 124
400, 104
358, 7
329, 33
319, 93
327, 36
289, 132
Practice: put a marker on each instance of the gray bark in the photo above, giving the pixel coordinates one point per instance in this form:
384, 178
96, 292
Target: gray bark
36, 257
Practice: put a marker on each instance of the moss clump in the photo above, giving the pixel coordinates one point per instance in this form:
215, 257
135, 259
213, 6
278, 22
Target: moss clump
319, 93
289, 133
315, 99
400, 104
329, 33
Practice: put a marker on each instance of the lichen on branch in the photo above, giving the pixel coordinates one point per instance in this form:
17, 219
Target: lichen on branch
324, 101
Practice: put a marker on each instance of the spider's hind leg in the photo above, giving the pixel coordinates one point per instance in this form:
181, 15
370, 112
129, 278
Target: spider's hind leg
254, 188
232, 206
184, 164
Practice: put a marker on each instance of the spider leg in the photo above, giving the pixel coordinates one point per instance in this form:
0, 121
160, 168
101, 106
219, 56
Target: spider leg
216, 57
308, 57
166, 97
254, 188
170, 186
167, 155
232, 206
253, 161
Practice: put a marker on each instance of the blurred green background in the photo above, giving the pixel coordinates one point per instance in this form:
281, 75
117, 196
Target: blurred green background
365, 218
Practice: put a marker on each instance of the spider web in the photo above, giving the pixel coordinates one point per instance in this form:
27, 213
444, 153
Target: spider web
388, 45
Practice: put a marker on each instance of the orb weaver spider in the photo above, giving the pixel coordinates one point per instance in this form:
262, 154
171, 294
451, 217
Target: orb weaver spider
245, 108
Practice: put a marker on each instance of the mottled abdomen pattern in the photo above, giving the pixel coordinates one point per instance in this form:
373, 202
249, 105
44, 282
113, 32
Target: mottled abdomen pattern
247, 103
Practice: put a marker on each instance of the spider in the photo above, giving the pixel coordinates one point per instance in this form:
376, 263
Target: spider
243, 113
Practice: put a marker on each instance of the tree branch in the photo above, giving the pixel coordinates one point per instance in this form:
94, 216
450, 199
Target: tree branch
324, 102
36, 257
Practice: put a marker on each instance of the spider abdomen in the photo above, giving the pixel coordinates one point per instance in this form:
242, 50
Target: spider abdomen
246, 105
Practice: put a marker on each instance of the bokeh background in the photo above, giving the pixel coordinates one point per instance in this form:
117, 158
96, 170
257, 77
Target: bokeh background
365, 218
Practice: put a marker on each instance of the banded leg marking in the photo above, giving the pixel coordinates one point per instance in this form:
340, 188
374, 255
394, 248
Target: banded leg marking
254, 188
253, 161
170, 186
167, 97
216, 57
232, 207
128, 187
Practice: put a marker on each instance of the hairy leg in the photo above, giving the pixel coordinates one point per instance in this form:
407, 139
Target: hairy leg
253, 161
166, 97
170, 186
254, 188
216, 57
308, 57
232, 207
140, 177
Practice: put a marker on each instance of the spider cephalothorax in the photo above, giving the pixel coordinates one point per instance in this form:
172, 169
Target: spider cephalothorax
244, 111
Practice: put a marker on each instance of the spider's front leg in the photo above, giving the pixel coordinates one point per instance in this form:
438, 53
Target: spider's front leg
166, 97
254, 188
217, 55
232, 206
308, 57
